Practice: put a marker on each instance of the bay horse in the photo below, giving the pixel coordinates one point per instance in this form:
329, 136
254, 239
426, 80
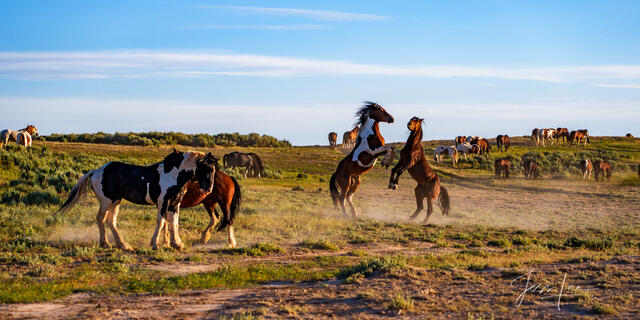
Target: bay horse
349, 138
535, 136
24, 139
502, 167
561, 133
441, 151
7, 135
629, 135
460, 140
585, 133
226, 193
586, 167
602, 167
369, 145
531, 169
578, 137
235, 159
413, 160
333, 139
483, 143
503, 141
162, 184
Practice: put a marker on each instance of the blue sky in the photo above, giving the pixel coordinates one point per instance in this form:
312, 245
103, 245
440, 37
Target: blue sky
297, 70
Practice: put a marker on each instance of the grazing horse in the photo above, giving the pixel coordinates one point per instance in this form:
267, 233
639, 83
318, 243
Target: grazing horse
24, 139
258, 168
349, 138
369, 145
475, 149
483, 143
547, 135
561, 133
586, 167
503, 141
441, 151
413, 160
629, 135
466, 148
238, 159
226, 193
585, 132
460, 140
502, 166
602, 167
7, 135
531, 169
333, 139
162, 184
578, 137
535, 136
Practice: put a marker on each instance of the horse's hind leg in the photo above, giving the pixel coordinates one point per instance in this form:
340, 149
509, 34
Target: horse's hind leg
160, 225
344, 184
355, 182
112, 217
100, 219
420, 195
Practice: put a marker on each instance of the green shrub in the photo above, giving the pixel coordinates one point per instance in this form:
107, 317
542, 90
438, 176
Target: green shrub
374, 265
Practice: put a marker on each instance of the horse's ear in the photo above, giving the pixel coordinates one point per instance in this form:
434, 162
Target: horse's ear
175, 150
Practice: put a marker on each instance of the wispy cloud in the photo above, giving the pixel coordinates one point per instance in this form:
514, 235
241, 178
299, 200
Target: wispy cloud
260, 27
181, 64
619, 85
324, 15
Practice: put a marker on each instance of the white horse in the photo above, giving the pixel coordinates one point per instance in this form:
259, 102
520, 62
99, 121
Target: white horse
24, 139
466, 148
441, 151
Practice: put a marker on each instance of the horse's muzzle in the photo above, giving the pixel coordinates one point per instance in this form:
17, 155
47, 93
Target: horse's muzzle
393, 186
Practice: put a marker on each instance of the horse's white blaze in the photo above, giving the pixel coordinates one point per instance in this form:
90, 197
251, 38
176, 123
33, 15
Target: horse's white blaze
366, 130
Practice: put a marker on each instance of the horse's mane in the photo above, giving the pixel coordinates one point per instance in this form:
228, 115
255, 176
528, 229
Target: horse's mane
190, 158
361, 114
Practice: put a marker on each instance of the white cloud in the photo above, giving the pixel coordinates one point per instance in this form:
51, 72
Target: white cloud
306, 13
176, 64
618, 85
275, 27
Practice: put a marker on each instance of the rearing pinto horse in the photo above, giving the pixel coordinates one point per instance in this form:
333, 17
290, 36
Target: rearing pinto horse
369, 145
412, 159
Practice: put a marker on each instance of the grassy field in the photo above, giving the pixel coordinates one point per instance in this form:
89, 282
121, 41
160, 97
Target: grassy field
297, 257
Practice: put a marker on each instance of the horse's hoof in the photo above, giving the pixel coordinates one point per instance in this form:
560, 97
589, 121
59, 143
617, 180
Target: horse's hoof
177, 246
105, 245
393, 186
125, 247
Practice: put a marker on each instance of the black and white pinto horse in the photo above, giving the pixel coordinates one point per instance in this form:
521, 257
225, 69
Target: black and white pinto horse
162, 184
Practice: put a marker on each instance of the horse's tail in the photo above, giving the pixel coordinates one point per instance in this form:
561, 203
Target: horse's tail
225, 161
78, 190
333, 187
445, 202
234, 208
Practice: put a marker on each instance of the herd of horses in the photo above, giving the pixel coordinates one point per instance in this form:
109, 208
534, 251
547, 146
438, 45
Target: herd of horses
22, 137
187, 179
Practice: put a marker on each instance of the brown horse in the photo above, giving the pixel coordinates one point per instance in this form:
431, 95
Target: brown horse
503, 141
460, 140
349, 138
586, 167
602, 167
226, 193
578, 137
502, 167
333, 139
561, 133
585, 132
483, 143
629, 135
413, 160
370, 144
535, 136
531, 169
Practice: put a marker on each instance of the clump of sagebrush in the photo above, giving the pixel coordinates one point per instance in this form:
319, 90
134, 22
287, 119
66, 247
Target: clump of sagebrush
171, 138
43, 174
319, 245
374, 265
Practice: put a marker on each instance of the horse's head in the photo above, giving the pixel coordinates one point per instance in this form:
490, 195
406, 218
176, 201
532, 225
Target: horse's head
205, 172
372, 110
415, 124
32, 130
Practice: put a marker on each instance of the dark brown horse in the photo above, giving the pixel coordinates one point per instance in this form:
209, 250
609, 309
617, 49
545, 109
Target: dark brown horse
349, 137
502, 167
370, 144
602, 167
531, 169
535, 136
226, 193
629, 135
413, 160
483, 143
503, 141
333, 139
561, 133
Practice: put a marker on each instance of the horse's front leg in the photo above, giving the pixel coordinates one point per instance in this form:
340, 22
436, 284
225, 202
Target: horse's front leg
395, 176
172, 220
159, 226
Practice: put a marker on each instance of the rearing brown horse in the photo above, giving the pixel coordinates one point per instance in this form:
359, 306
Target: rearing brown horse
369, 145
412, 159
